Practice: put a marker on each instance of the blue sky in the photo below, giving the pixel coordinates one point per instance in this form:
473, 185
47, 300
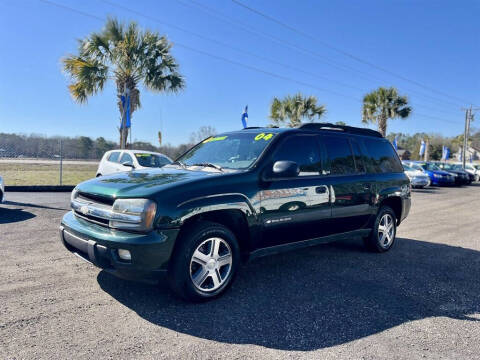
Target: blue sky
435, 43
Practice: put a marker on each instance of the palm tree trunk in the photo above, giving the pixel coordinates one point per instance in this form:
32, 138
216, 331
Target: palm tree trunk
382, 124
123, 137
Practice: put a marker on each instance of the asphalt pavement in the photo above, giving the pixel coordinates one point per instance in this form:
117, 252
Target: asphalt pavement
420, 300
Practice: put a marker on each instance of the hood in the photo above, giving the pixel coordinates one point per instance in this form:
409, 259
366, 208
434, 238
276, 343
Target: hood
441, 172
456, 172
141, 183
411, 173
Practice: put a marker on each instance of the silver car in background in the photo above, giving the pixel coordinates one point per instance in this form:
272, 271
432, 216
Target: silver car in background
418, 179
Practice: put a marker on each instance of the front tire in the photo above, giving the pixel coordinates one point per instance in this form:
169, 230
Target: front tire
384, 231
205, 262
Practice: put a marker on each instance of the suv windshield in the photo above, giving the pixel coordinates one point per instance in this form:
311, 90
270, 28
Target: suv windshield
151, 160
229, 151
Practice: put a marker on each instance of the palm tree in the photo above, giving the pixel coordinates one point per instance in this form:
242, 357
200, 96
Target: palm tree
383, 104
128, 55
294, 109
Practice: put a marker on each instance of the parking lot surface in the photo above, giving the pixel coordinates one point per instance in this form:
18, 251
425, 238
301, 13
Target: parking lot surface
420, 300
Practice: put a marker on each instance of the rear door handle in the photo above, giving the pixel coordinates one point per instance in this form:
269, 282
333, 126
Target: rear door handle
366, 186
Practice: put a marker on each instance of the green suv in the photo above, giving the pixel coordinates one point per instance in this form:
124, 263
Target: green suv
236, 196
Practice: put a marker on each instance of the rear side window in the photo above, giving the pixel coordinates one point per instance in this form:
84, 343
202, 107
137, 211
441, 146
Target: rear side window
113, 157
339, 159
381, 157
304, 151
126, 158
359, 158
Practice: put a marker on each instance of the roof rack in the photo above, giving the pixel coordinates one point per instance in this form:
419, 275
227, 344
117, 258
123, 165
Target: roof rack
261, 127
335, 127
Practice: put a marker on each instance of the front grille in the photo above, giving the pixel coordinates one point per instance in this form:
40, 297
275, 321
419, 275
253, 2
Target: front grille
96, 198
93, 219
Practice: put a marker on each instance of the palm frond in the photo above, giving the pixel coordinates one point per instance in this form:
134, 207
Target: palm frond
88, 76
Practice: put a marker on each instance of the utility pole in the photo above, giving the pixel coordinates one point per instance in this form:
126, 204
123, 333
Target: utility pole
465, 134
468, 120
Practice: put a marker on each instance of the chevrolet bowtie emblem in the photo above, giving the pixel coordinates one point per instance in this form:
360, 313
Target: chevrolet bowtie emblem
84, 209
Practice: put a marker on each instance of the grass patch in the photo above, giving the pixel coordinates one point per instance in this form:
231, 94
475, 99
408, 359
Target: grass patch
45, 174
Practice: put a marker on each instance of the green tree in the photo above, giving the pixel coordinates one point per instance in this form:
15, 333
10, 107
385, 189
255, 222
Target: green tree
294, 109
85, 145
128, 55
383, 104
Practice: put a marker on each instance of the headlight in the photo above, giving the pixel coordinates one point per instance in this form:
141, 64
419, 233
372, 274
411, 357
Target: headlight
73, 195
437, 175
135, 214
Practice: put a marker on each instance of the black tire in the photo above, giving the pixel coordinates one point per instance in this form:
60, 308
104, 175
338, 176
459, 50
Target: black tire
179, 272
375, 242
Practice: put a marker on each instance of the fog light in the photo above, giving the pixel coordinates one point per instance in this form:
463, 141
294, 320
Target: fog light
124, 254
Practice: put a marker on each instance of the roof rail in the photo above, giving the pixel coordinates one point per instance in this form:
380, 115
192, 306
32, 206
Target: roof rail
345, 128
252, 127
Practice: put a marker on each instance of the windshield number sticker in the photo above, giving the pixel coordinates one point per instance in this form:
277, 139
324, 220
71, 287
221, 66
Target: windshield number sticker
263, 136
218, 138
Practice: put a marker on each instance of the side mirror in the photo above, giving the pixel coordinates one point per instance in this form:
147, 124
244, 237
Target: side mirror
128, 164
285, 169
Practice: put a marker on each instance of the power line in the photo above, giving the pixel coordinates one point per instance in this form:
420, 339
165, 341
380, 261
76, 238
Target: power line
228, 46
252, 68
343, 52
235, 22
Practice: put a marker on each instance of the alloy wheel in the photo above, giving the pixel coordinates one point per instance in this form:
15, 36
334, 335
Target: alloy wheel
211, 264
386, 231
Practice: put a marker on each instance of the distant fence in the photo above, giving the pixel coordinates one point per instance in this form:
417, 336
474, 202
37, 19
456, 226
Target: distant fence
50, 167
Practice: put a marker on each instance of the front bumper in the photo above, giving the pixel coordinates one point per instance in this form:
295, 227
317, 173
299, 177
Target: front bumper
150, 253
420, 181
443, 181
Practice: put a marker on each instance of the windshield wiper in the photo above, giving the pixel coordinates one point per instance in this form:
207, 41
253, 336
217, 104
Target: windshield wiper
178, 162
207, 164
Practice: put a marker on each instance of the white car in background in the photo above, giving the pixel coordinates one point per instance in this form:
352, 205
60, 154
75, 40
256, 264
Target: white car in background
2, 190
115, 161
418, 179
474, 170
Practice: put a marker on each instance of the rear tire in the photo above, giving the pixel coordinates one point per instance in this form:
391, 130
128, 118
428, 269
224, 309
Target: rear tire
384, 231
205, 262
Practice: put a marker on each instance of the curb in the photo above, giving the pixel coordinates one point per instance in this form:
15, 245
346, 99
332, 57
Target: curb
40, 188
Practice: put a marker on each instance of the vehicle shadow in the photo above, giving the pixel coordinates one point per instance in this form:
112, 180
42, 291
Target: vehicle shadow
16, 203
320, 297
428, 190
8, 216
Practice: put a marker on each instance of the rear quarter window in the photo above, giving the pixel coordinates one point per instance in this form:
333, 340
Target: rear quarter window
113, 157
381, 157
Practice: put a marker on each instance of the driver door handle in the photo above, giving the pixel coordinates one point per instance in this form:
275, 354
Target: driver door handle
321, 189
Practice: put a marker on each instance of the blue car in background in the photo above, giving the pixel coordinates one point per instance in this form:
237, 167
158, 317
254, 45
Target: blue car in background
437, 176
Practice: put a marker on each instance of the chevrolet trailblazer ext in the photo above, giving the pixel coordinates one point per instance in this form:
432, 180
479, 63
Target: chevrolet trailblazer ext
236, 196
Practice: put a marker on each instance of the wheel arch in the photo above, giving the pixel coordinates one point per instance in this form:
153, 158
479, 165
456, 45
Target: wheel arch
235, 220
395, 203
